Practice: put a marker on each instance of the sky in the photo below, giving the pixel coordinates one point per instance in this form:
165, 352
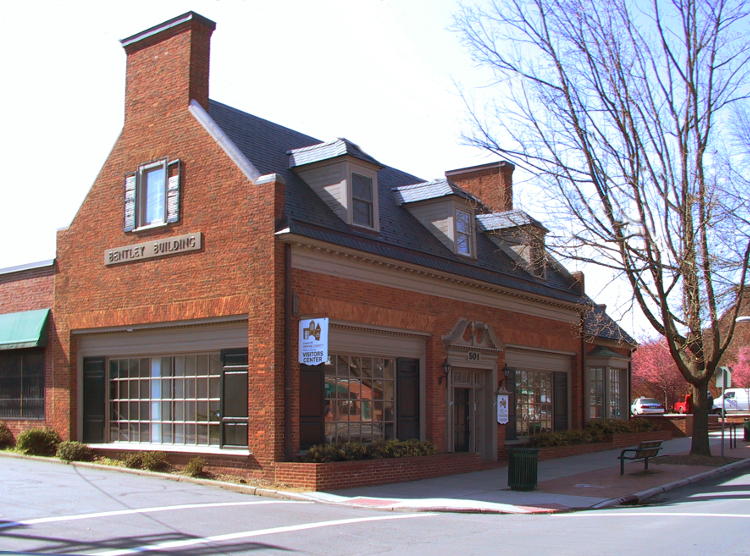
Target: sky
385, 74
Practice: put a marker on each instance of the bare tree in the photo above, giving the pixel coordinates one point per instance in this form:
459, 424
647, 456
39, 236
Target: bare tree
622, 111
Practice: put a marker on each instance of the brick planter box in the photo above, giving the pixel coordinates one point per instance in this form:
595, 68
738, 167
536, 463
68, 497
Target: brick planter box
619, 440
346, 474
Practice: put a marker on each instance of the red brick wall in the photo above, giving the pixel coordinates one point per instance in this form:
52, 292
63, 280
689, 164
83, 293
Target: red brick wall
27, 290
492, 184
351, 301
347, 474
237, 272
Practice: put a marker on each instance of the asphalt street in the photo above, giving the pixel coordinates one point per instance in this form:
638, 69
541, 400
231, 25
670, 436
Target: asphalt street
51, 508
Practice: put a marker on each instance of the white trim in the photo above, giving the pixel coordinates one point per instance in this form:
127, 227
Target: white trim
370, 327
149, 326
156, 30
553, 351
386, 272
269, 178
27, 266
539, 361
223, 140
179, 448
163, 341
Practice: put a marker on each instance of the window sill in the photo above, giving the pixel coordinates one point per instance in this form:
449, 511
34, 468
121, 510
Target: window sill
365, 228
150, 227
23, 418
181, 448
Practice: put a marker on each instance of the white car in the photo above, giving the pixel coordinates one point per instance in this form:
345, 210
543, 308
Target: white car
646, 406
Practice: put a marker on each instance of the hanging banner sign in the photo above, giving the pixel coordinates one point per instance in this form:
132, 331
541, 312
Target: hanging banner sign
502, 409
313, 341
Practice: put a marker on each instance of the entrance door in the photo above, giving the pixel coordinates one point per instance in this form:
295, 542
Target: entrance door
470, 410
462, 419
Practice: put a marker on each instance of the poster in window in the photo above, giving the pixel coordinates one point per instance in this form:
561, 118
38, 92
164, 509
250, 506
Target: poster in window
313, 341
502, 409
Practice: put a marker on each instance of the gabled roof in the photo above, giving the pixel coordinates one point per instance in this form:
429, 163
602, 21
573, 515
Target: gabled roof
401, 237
505, 220
328, 151
427, 190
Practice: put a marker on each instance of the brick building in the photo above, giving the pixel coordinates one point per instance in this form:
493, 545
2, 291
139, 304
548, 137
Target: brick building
171, 314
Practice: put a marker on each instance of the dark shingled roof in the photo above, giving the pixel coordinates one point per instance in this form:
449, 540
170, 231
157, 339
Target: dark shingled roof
505, 220
327, 151
401, 237
598, 324
429, 190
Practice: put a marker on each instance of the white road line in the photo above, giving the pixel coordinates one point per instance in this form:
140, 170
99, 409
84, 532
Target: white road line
600, 513
74, 517
257, 533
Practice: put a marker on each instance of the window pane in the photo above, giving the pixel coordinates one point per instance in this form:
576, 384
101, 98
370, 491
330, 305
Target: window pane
462, 222
362, 213
361, 187
534, 407
154, 192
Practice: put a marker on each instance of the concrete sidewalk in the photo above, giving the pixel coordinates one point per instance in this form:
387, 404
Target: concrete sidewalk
578, 482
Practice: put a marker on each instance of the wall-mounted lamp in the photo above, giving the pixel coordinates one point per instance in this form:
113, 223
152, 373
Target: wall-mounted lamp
446, 371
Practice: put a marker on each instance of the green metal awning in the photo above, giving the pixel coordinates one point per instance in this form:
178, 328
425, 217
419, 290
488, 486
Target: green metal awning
26, 329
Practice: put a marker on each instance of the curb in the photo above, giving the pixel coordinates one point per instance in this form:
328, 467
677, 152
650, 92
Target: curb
643, 495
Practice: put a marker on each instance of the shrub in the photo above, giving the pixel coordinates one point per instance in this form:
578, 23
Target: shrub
642, 425
348, 451
38, 442
6, 437
74, 451
595, 431
152, 461
194, 467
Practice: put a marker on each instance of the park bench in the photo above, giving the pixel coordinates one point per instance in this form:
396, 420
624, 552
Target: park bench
645, 450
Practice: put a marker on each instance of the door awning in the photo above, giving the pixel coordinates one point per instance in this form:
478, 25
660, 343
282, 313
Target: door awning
26, 329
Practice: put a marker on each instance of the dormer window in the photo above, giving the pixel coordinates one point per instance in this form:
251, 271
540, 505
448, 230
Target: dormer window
464, 233
362, 200
152, 195
444, 209
344, 177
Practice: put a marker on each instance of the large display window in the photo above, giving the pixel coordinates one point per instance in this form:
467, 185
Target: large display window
359, 400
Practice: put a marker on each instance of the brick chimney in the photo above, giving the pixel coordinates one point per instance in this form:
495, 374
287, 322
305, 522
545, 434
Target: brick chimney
492, 183
167, 66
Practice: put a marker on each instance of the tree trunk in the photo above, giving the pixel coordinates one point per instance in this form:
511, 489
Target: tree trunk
701, 408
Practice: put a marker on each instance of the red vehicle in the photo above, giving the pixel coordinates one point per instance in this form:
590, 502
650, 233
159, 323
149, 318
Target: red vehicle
684, 406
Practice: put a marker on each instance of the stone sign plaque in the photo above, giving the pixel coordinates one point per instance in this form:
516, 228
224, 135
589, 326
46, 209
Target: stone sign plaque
152, 249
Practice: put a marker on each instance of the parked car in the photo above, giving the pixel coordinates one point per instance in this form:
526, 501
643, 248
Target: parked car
646, 406
734, 399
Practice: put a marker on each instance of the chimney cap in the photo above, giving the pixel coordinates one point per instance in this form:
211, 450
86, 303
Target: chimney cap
481, 167
174, 22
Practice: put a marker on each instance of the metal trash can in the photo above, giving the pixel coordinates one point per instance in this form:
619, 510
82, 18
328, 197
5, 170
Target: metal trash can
522, 468
746, 426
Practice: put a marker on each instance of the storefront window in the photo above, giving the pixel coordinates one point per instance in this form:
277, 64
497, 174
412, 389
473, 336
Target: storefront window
534, 409
22, 384
614, 394
169, 400
606, 393
595, 391
359, 399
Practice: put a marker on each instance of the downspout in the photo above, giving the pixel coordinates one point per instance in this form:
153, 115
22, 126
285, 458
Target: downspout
288, 390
